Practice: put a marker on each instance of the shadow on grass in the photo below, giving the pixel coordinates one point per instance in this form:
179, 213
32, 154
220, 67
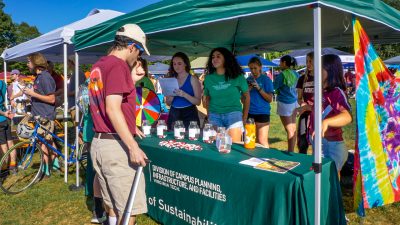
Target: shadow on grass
274, 140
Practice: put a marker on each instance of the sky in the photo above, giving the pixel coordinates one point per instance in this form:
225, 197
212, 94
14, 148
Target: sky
48, 15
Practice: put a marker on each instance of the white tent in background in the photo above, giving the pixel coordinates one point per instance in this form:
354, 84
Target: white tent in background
300, 55
55, 46
393, 61
199, 63
158, 69
156, 58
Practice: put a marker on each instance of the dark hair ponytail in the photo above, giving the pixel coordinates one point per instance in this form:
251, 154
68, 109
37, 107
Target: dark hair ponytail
289, 61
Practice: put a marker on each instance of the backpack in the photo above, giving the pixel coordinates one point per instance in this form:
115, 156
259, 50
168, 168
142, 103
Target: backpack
82, 99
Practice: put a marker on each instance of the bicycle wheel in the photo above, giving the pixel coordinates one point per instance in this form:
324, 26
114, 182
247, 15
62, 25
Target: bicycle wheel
29, 168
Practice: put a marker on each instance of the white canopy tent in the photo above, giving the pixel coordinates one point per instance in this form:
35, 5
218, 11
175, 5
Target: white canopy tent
158, 68
55, 46
300, 55
156, 58
393, 61
199, 63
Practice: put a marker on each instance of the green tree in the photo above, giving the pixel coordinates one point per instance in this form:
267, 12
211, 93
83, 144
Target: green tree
24, 32
394, 3
389, 50
12, 34
274, 55
7, 29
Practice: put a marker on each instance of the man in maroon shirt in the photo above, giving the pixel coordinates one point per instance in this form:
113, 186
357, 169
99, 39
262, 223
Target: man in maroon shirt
59, 84
114, 151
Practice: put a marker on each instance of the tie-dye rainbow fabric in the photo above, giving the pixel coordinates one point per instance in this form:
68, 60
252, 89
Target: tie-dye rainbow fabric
377, 157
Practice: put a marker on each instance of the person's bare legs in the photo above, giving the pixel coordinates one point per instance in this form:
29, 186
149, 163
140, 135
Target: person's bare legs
10, 144
289, 122
46, 159
262, 134
4, 149
236, 134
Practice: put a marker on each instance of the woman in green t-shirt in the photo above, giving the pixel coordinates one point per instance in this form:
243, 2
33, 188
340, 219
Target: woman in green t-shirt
224, 89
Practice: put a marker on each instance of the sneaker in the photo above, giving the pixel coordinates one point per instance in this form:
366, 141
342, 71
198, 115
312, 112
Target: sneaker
56, 164
45, 170
97, 220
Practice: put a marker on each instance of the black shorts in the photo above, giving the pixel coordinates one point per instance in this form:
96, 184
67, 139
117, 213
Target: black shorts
259, 118
186, 114
5, 132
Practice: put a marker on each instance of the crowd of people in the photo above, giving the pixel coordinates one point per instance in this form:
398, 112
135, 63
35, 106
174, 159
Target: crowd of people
228, 97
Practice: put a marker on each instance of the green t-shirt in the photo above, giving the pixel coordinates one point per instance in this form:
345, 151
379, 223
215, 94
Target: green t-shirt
224, 95
146, 83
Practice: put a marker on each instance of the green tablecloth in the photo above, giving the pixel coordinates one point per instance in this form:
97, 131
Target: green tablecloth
207, 187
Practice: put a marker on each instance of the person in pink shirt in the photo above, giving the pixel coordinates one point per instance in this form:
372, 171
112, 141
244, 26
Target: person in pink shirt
336, 111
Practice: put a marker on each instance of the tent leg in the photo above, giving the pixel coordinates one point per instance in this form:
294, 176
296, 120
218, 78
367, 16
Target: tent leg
317, 108
5, 81
77, 185
65, 115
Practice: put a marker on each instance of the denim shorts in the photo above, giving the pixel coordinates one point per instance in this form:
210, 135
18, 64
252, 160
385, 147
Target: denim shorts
284, 109
335, 150
227, 120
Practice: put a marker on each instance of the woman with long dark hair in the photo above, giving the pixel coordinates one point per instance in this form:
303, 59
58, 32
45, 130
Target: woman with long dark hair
183, 105
285, 87
336, 111
224, 89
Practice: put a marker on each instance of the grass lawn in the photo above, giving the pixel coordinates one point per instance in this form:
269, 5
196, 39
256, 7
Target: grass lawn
51, 202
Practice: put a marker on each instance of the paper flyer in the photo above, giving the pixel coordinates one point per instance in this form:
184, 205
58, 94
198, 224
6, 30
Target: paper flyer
168, 86
273, 165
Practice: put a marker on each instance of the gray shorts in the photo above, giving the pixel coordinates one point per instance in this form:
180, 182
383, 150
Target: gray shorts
110, 160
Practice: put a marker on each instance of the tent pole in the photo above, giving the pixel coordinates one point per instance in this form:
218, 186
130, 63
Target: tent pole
272, 73
318, 116
234, 38
5, 81
77, 117
65, 115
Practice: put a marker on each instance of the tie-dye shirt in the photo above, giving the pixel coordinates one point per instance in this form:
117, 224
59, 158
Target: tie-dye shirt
111, 76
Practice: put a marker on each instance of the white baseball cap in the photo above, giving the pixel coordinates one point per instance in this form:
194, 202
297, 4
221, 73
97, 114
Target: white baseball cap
135, 33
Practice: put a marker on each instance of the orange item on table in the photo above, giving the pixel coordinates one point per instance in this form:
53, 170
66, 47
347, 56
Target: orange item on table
250, 134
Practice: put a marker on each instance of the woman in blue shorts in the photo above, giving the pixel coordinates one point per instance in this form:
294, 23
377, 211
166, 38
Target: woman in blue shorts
224, 89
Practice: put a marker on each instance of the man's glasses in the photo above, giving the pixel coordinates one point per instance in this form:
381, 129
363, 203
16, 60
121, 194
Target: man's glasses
140, 48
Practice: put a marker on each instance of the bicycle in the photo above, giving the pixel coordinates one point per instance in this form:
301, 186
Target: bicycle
30, 160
